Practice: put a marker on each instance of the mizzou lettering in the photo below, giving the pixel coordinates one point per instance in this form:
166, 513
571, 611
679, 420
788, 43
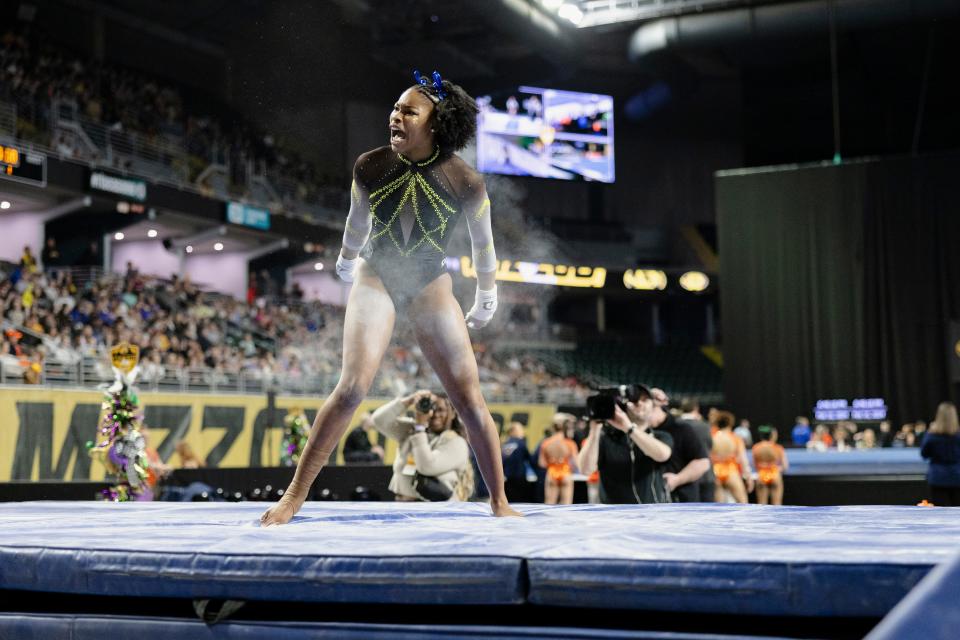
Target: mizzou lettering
44, 433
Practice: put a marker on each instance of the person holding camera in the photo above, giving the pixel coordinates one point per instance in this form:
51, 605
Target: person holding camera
433, 458
628, 455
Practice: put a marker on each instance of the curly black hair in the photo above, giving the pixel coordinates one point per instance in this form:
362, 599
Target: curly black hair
455, 117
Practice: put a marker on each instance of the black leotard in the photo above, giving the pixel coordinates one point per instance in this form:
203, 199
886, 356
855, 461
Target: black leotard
411, 209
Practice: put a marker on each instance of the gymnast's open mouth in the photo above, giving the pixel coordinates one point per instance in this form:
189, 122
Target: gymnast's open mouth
396, 135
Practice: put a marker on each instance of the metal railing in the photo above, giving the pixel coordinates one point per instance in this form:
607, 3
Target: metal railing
94, 373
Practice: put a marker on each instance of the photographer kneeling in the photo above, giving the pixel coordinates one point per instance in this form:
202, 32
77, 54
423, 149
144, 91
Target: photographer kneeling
622, 446
433, 458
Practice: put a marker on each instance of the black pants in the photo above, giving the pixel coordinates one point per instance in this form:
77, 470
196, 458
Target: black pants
708, 491
519, 490
945, 496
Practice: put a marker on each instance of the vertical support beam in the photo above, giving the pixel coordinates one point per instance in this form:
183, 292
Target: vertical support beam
711, 337
107, 250
601, 314
98, 37
918, 123
655, 331
835, 80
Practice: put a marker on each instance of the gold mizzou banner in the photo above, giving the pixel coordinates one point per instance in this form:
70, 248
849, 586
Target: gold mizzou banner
43, 432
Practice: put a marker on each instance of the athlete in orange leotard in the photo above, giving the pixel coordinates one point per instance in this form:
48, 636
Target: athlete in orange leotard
727, 456
771, 461
558, 455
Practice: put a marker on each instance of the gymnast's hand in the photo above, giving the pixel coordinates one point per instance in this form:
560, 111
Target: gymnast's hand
281, 512
484, 306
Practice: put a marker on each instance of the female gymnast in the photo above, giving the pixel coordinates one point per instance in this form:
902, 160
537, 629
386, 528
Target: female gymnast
406, 199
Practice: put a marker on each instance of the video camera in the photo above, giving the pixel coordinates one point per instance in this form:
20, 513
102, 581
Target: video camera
601, 406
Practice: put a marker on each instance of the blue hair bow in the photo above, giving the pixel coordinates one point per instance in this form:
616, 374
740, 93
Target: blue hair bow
437, 83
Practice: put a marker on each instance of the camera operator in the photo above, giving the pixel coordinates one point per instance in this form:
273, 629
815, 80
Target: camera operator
433, 457
629, 456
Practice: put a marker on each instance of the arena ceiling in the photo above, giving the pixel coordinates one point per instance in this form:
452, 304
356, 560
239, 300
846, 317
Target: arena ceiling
733, 78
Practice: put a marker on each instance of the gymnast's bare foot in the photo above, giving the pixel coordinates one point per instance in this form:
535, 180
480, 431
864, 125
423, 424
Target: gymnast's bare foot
282, 512
504, 510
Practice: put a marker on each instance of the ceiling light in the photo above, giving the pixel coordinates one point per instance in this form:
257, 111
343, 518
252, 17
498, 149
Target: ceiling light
218, 246
4, 205
152, 233
694, 281
318, 266
189, 249
118, 235
571, 12
551, 4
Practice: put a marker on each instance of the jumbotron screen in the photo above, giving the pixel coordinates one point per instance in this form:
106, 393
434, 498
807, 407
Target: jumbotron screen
546, 133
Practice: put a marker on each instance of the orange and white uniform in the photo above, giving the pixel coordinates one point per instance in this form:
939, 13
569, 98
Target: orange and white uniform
725, 455
557, 454
769, 458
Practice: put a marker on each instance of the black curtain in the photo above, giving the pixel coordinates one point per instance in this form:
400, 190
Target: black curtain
838, 282
911, 281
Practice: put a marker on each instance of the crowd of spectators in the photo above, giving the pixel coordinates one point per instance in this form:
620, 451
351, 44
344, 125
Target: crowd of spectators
186, 335
847, 435
37, 74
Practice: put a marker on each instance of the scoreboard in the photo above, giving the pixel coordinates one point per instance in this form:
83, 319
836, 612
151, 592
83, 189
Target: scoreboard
23, 166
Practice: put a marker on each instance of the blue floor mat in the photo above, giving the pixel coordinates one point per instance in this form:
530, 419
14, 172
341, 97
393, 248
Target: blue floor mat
57, 627
810, 561
930, 611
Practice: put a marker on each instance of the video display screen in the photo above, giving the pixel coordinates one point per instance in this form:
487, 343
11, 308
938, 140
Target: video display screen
546, 133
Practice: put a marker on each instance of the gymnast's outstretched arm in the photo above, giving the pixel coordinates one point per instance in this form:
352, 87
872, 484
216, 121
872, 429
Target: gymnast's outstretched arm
356, 230
477, 211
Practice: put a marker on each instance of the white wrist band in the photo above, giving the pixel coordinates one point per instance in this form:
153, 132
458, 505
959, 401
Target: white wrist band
346, 267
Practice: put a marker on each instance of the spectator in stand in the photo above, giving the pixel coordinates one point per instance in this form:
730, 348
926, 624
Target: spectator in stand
690, 413
905, 437
33, 368
886, 434
92, 257
50, 256
177, 326
919, 430
358, 448
13, 343
841, 437
941, 446
866, 439
801, 432
517, 465
821, 439
28, 262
